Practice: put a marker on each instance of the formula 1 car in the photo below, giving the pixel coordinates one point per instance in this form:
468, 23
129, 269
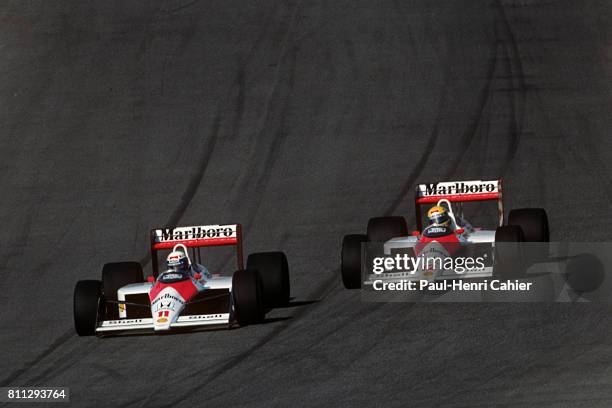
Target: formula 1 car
507, 258
124, 301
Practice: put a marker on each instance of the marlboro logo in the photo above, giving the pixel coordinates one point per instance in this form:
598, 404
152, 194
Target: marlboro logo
187, 233
435, 189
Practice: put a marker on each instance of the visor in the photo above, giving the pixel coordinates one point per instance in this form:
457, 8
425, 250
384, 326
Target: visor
177, 264
439, 219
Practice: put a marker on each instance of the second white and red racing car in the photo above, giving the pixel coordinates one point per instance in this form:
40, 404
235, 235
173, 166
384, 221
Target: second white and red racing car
502, 246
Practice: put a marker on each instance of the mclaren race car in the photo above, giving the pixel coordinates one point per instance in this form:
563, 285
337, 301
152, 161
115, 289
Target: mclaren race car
123, 301
501, 248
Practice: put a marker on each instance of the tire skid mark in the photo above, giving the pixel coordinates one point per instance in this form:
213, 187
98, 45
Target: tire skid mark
433, 138
273, 146
272, 149
196, 179
420, 165
466, 138
183, 7
470, 132
240, 79
518, 102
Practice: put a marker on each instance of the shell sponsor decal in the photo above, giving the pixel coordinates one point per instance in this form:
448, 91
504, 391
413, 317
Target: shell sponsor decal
162, 316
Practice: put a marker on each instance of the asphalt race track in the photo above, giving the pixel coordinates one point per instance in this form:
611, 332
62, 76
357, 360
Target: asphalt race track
299, 120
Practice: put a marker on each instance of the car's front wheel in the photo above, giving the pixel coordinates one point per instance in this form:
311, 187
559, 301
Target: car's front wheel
350, 263
382, 229
274, 271
534, 223
509, 261
86, 306
247, 292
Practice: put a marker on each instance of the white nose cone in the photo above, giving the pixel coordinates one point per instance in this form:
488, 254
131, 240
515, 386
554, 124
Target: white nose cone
166, 308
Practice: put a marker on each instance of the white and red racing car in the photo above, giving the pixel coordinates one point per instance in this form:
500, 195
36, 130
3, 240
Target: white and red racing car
124, 301
501, 246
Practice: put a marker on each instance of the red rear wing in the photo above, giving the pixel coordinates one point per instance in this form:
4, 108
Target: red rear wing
458, 192
196, 237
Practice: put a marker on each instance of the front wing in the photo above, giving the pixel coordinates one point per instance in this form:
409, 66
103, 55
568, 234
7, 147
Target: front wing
147, 323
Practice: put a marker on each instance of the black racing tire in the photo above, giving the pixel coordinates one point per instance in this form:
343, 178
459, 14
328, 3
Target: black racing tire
86, 306
274, 271
509, 261
350, 263
533, 222
247, 292
382, 229
114, 276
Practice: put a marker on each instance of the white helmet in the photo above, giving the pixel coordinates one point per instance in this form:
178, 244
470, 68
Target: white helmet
177, 261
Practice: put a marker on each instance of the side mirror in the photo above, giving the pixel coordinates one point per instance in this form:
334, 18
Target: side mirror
197, 275
460, 230
415, 233
150, 279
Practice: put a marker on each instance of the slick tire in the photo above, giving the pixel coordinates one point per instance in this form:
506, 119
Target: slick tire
86, 306
247, 292
274, 271
114, 276
509, 262
382, 229
350, 263
534, 223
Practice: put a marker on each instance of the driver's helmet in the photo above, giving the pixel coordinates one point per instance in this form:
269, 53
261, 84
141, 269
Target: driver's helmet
438, 216
177, 261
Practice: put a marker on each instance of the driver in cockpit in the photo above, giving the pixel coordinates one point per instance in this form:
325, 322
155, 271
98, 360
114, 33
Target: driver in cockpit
177, 261
440, 222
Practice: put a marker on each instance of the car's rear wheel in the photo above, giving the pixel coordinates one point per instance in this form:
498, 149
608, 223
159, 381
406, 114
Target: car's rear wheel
86, 306
350, 264
115, 276
534, 223
247, 292
274, 271
509, 261
382, 229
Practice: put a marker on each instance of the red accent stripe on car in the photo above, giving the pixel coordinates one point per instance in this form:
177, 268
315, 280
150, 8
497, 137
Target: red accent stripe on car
458, 197
202, 242
185, 288
450, 239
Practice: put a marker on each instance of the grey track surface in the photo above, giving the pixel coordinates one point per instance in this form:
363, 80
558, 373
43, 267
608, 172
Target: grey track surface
299, 120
